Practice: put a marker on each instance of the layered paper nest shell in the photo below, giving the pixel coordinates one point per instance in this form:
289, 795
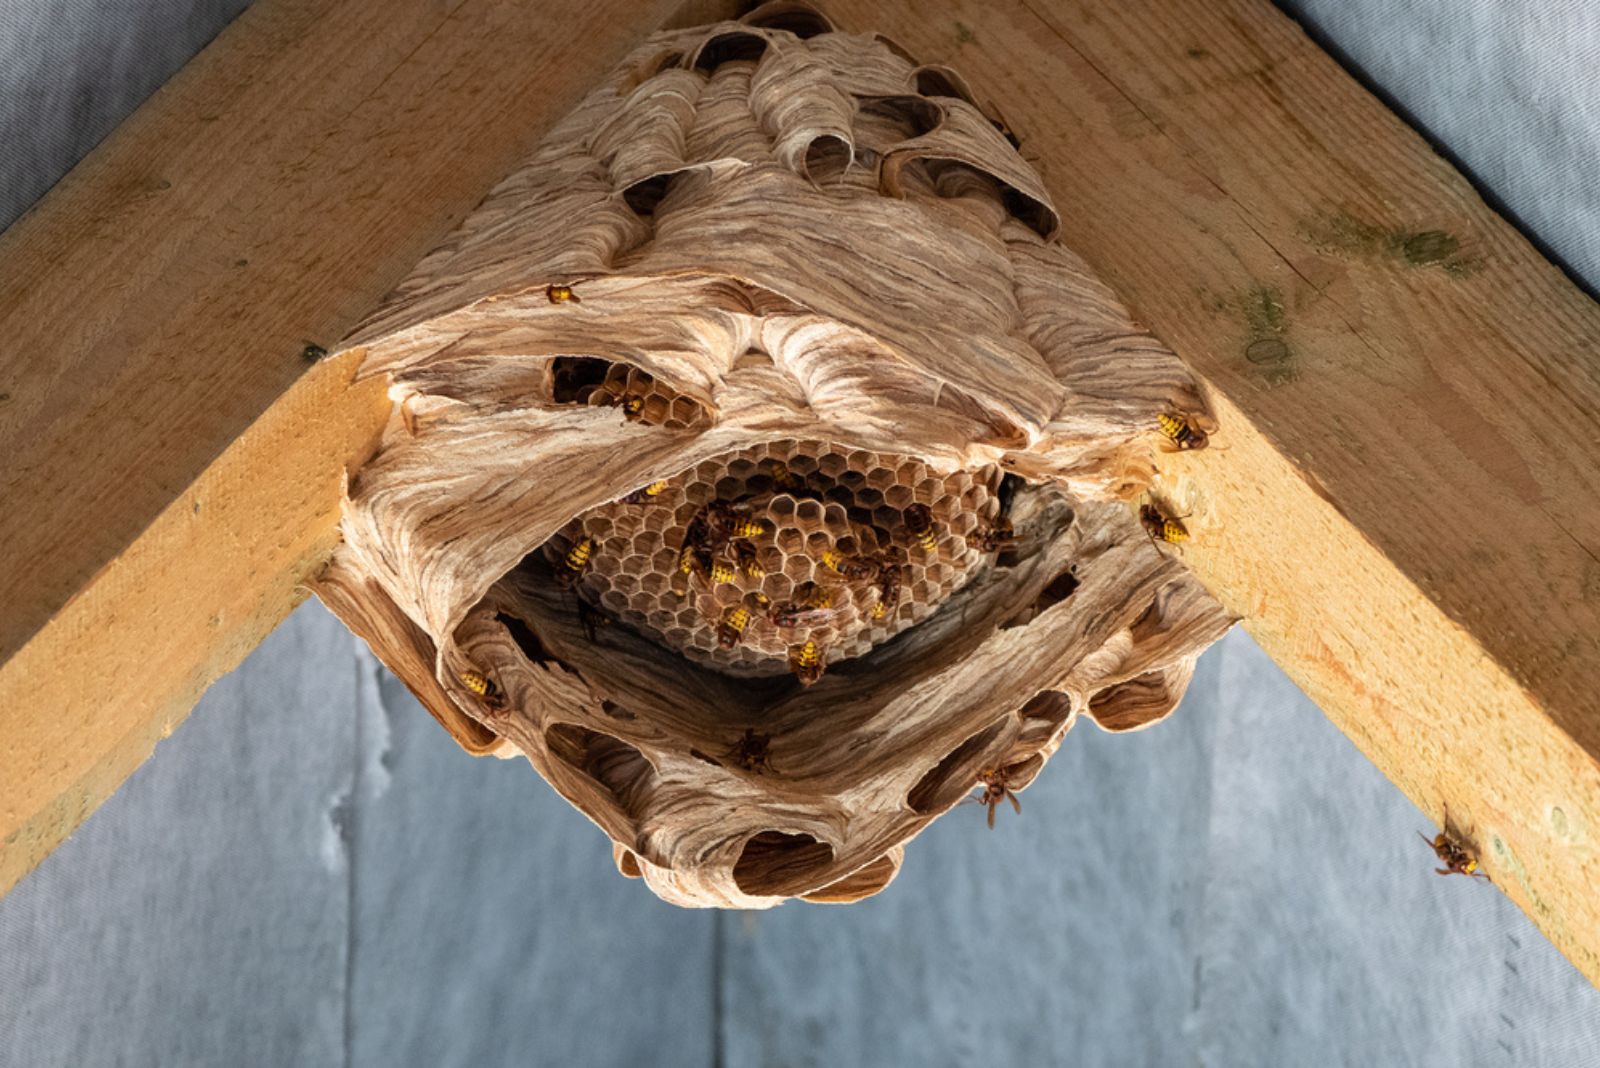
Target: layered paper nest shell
785, 271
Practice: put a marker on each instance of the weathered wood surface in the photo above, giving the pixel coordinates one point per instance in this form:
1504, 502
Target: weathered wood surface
1404, 504
172, 470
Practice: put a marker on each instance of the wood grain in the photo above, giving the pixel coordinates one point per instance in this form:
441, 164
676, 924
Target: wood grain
154, 309
1403, 505
86, 701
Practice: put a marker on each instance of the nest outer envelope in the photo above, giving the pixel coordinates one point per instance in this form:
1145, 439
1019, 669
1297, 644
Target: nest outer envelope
806, 237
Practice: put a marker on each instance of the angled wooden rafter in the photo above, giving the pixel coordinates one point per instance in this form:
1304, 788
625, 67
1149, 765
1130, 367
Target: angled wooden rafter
173, 461
1402, 503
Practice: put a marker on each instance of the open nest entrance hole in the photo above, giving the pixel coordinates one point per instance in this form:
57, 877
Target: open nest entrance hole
841, 548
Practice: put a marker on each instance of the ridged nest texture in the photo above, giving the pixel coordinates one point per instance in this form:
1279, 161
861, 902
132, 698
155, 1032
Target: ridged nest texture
757, 243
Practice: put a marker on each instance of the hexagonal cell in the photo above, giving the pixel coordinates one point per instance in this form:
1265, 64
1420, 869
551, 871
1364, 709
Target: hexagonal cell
836, 515
839, 494
686, 411
782, 508
655, 411
860, 461
653, 581
789, 540
808, 514
896, 497
880, 478
832, 464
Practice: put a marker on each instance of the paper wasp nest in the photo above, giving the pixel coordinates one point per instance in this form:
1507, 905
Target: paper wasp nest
760, 468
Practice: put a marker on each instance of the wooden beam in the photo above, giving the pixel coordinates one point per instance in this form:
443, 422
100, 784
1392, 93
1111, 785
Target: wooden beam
1403, 498
173, 462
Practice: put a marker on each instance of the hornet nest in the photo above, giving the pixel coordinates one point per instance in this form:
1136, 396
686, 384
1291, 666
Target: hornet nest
760, 468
